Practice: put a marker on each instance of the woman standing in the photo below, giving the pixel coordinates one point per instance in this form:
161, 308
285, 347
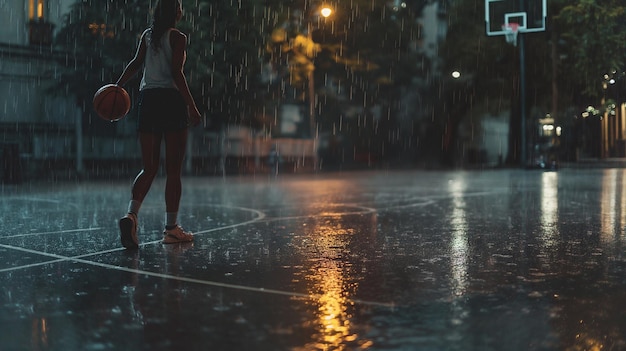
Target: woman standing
166, 109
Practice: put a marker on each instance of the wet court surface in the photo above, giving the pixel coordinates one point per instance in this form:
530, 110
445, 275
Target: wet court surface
485, 260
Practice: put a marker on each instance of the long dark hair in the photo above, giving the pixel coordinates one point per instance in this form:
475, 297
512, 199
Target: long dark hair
163, 19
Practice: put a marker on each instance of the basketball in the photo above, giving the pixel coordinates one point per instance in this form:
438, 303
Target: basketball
111, 102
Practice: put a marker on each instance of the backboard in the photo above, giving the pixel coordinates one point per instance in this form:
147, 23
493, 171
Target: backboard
529, 15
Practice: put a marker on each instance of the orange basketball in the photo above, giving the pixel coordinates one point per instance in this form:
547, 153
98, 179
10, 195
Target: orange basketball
111, 102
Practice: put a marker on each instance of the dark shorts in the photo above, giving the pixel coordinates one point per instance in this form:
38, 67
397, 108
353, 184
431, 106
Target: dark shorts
161, 110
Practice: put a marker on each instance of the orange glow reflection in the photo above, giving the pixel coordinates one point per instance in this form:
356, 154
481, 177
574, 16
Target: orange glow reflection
331, 235
39, 336
329, 284
335, 227
612, 205
333, 318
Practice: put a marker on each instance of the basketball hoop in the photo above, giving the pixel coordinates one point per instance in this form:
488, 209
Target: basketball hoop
510, 32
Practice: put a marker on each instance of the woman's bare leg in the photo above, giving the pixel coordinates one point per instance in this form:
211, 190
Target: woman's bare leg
150, 144
175, 146
150, 149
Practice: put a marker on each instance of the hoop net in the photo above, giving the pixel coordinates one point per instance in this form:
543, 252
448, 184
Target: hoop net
510, 32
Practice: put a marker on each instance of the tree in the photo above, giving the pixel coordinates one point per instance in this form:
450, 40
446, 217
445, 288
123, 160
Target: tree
99, 37
225, 60
594, 36
223, 65
585, 39
489, 82
361, 59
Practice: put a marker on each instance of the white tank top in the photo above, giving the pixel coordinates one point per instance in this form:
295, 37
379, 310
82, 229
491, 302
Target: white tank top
157, 71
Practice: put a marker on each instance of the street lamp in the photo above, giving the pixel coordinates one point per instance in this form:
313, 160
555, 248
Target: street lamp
325, 12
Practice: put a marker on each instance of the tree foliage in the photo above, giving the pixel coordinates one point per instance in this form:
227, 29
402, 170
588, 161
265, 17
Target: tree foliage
592, 35
360, 59
225, 59
565, 65
100, 37
489, 81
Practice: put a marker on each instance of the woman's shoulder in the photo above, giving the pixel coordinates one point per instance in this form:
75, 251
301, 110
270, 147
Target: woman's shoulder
145, 35
174, 32
177, 38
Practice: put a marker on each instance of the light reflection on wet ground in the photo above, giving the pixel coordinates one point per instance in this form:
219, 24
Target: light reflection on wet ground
491, 260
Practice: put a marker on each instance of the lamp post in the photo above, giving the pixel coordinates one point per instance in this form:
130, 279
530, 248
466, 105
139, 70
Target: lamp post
325, 12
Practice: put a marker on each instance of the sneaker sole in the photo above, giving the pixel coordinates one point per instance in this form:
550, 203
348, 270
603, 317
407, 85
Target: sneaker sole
170, 239
126, 234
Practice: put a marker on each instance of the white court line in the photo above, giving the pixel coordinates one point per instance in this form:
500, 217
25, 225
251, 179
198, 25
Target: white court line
261, 217
366, 210
429, 200
38, 199
55, 232
59, 258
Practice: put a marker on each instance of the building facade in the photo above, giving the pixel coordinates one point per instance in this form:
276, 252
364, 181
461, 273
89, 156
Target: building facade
36, 127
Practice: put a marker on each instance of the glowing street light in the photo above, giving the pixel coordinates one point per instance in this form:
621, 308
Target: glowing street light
326, 12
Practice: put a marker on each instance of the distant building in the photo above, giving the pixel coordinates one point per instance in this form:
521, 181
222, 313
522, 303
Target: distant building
35, 127
434, 27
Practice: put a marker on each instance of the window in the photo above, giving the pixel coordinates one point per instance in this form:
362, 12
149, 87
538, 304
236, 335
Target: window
39, 31
35, 9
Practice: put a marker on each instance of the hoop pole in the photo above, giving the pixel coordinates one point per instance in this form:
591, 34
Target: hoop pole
522, 69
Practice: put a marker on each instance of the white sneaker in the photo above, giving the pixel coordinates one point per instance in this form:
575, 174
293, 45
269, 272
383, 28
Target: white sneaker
176, 235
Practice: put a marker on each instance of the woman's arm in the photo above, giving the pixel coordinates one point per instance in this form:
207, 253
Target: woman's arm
179, 45
135, 64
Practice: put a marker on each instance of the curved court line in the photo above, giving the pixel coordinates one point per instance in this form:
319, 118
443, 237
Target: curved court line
366, 210
60, 258
425, 201
55, 232
261, 216
429, 200
38, 199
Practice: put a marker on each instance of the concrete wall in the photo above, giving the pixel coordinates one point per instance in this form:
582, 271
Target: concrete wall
485, 140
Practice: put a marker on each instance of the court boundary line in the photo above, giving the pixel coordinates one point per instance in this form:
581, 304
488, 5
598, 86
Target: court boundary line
77, 259
261, 216
55, 258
